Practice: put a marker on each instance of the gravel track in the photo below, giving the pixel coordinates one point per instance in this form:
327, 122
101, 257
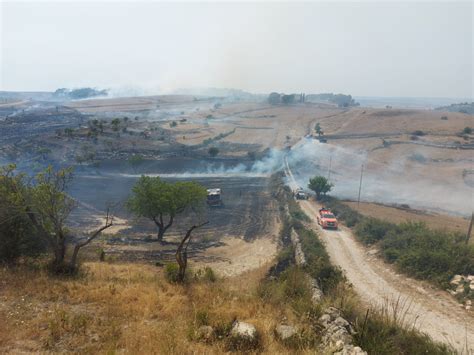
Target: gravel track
431, 310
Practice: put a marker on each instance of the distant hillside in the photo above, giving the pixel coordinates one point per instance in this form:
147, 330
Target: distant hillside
233, 94
463, 107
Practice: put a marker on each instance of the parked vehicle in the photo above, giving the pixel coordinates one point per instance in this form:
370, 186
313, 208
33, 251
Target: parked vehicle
326, 219
214, 197
299, 194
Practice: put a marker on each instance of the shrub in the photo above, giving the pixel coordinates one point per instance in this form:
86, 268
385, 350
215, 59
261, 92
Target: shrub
213, 151
371, 230
385, 333
467, 130
206, 274
171, 272
318, 264
428, 254
173, 124
418, 133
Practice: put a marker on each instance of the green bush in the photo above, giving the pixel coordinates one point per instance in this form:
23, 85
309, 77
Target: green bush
428, 254
385, 335
171, 272
206, 274
318, 264
371, 230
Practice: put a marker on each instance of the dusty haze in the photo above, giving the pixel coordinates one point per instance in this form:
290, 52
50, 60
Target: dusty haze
383, 49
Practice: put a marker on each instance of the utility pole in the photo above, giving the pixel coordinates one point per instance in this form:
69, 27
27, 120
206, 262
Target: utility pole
360, 184
469, 229
329, 170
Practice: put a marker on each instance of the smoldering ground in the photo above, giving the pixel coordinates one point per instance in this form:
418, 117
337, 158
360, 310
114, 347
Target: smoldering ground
398, 181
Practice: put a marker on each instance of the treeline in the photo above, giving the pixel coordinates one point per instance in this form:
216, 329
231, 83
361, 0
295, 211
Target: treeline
463, 107
80, 93
341, 100
415, 249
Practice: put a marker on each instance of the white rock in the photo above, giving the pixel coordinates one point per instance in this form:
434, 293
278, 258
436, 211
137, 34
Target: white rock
242, 329
285, 332
316, 293
460, 289
341, 322
325, 319
456, 280
243, 336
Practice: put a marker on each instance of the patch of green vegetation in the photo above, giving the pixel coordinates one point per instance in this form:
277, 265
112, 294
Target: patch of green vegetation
218, 137
381, 333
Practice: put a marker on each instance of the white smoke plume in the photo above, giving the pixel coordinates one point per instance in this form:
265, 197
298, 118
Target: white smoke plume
395, 182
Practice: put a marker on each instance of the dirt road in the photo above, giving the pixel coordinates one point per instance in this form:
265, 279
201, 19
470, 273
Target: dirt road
432, 311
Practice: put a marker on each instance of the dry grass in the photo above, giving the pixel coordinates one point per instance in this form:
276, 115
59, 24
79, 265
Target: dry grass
398, 215
128, 308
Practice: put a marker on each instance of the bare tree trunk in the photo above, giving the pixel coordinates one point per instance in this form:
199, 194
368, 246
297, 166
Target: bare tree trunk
182, 252
162, 228
59, 251
78, 246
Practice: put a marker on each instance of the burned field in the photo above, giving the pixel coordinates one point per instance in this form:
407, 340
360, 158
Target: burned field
247, 212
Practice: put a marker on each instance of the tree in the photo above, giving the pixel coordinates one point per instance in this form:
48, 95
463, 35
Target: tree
109, 219
467, 130
115, 124
46, 205
288, 99
320, 185
182, 251
213, 151
318, 130
51, 207
69, 132
274, 98
161, 201
135, 160
17, 235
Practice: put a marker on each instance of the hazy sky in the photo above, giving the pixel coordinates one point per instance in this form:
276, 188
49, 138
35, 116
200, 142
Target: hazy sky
422, 49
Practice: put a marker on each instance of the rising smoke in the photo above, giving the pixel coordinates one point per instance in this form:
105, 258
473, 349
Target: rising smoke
397, 181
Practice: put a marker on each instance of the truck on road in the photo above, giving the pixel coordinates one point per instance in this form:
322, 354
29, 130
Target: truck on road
326, 219
299, 194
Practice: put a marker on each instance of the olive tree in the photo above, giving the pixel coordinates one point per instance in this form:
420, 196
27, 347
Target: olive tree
45, 204
162, 201
17, 235
320, 185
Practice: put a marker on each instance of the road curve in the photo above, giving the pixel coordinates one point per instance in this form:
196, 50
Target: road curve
432, 311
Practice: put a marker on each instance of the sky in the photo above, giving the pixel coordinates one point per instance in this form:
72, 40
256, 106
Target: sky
404, 49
